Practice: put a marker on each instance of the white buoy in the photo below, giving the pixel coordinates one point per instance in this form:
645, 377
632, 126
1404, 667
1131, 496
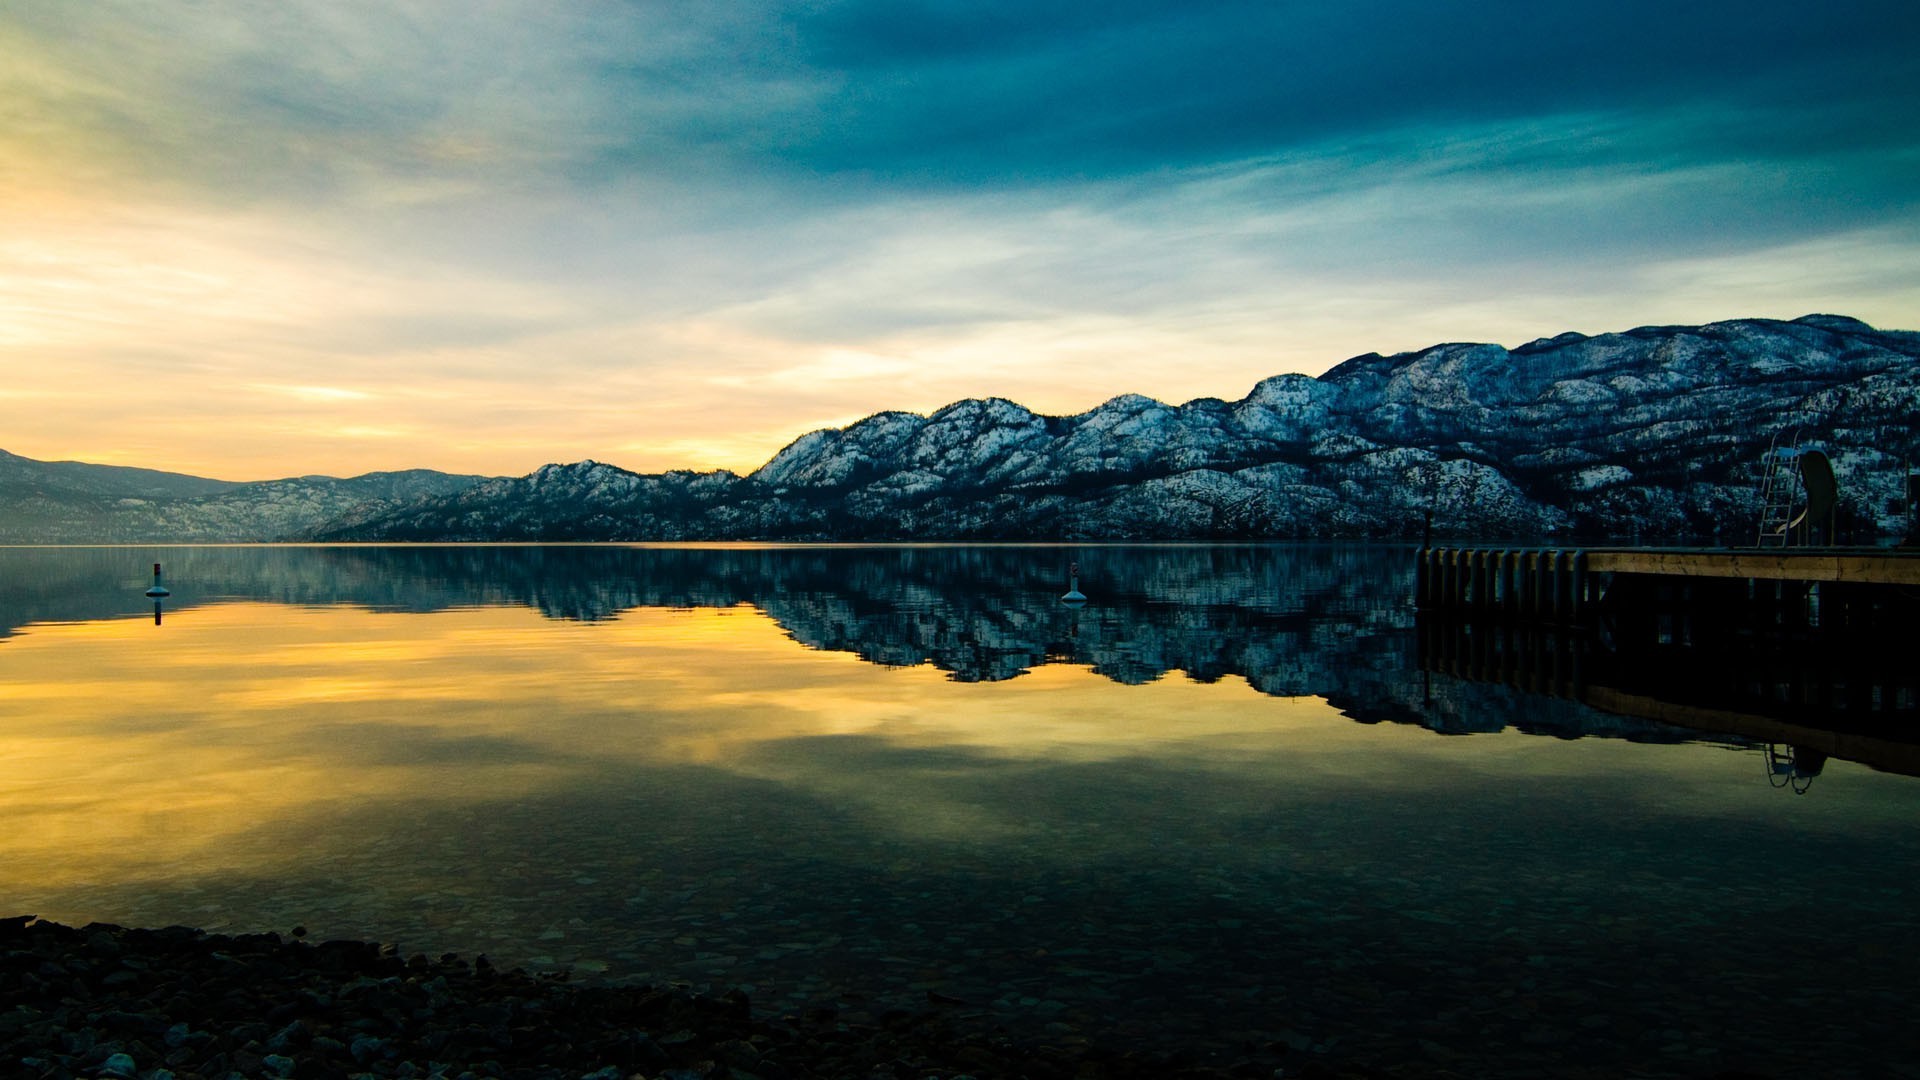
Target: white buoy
1074, 595
158, 589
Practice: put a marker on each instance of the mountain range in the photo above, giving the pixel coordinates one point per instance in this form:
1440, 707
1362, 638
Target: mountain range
1653, 433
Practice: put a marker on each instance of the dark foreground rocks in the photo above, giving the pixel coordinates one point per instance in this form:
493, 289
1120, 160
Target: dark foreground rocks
179, 1004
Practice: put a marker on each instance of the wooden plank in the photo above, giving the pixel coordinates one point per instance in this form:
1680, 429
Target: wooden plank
1864, 567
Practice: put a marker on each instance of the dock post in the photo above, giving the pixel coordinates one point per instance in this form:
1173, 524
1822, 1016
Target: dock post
1543, 584
1569, 596
1523, 603
1557, 602
1550, 585
1510, 604
1502, 583
1577, 588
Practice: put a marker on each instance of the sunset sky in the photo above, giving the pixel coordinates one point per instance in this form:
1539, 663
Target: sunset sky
259, 239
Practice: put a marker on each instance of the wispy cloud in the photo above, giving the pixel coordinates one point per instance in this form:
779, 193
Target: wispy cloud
315, 393
489, 235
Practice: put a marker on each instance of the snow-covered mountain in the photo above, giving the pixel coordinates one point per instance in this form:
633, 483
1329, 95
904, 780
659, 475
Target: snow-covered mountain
74, 502
1654, 433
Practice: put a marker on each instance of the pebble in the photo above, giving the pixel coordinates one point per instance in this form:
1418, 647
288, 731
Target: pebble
257, 1006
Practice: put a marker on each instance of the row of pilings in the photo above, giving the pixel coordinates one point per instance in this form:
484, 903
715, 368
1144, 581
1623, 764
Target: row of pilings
1544, 585
1534, 657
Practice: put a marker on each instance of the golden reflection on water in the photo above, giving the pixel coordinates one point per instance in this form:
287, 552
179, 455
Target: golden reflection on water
140, 751
136, 752
691, 795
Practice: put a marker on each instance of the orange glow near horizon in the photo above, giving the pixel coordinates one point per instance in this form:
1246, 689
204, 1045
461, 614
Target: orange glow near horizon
242, 347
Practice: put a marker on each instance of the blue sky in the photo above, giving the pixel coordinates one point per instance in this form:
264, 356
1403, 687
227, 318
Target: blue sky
260, 239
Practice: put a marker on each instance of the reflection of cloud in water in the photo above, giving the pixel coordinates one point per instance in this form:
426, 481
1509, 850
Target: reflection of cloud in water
687, 794
240, 714
1293, 621
243, 713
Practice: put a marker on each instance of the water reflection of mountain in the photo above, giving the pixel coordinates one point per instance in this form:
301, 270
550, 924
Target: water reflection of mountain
1325, 621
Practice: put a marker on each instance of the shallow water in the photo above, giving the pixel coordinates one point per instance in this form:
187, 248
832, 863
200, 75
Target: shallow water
1218, 805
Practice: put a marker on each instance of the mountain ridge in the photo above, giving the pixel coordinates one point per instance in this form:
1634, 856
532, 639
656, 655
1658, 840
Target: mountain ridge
1650, 433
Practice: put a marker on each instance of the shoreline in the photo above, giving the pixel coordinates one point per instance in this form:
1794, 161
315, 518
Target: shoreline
179, 1003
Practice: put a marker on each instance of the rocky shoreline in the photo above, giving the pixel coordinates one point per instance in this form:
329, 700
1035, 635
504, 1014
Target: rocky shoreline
104, 1001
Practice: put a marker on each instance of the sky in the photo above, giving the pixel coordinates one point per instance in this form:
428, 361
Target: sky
259, 239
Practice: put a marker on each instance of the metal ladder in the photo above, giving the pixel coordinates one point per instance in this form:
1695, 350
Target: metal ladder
1779, 490
1783, 768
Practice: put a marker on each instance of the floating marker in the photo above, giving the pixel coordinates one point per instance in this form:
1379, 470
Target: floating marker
1074, 595
158, 589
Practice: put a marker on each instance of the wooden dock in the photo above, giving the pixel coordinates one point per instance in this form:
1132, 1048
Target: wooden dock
1881, 566
1806, 648
1564, 585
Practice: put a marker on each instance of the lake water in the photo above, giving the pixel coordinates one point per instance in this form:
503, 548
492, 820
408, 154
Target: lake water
1218, 805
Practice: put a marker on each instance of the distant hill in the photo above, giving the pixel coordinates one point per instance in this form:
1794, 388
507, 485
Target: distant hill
74, 502
80, 478
1650, 433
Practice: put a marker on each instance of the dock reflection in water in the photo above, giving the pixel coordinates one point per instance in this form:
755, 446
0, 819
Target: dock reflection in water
1153, 819
1801, 677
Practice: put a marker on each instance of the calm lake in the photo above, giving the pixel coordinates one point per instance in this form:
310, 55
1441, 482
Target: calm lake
1220, 803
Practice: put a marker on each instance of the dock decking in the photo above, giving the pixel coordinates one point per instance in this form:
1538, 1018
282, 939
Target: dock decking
1562, 585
